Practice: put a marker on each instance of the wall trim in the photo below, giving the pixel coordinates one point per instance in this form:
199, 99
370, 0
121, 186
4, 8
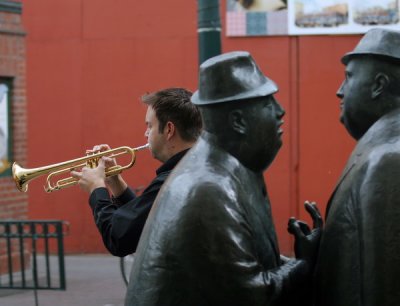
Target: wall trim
10, 6
12, 32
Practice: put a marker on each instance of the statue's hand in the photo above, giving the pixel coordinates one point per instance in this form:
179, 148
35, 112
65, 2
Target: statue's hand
306, 239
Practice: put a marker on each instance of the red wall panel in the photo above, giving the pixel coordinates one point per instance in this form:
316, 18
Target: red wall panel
323, 142
53, 20
103, 19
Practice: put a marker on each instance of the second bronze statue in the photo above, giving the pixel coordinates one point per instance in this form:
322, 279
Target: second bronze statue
23, 176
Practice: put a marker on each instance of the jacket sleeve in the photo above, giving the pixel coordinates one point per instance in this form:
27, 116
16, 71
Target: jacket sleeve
379, 227
219, 247
121, 226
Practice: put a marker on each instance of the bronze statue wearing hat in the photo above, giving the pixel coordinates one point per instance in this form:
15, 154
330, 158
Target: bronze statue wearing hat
359, 256
210, 238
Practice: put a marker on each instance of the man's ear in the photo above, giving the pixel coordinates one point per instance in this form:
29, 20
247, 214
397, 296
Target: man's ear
381, 82
237, 121
170, 129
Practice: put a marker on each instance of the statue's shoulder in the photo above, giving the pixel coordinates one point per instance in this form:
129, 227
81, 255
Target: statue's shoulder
381, 140
381, 163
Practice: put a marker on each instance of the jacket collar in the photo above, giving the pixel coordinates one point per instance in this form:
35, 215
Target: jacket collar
172, 162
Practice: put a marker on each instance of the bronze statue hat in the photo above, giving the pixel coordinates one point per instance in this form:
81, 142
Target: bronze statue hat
230, 77
380, 42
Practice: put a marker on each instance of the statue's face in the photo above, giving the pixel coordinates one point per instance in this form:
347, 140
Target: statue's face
265, 133
358, 110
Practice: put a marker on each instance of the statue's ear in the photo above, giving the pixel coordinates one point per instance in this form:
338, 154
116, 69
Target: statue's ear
381, 82
237, 121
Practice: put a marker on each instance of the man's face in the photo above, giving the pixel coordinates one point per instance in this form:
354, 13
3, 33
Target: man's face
265, 133
155, 139
358, 110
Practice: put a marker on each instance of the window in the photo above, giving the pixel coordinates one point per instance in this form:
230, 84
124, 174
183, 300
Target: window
5, 135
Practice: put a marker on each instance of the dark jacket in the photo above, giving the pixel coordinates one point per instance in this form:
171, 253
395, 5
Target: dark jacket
359, 258
120, 221
210, 239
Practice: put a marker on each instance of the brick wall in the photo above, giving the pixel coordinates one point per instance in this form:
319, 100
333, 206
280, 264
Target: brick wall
13, 204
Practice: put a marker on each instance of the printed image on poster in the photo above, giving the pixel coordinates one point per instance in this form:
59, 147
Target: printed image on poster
367, 12
256, 17
341, 16
321, 14
257, 5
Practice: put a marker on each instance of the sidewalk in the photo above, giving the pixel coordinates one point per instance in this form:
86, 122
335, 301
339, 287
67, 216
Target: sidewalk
92, 280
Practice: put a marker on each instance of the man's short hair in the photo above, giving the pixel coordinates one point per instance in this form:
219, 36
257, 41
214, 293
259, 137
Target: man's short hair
173, 104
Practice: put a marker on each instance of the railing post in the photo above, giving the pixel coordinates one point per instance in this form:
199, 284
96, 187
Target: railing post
61, 263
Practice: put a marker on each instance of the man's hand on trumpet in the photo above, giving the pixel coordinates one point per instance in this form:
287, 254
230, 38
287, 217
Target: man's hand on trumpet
90, 179
115, 183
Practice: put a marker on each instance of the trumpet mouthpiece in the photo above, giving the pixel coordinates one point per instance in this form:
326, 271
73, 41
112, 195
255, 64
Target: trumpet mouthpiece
142, 147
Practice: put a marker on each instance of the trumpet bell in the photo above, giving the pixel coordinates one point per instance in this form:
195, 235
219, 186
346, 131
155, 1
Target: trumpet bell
20, 177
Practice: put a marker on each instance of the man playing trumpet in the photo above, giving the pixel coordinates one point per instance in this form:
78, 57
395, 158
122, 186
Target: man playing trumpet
173, 126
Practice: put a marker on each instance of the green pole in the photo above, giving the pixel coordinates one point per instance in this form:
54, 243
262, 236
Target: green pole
209, 29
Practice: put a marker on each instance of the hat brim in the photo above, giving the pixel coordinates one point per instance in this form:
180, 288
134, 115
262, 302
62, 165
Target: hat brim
348, 56
268, 88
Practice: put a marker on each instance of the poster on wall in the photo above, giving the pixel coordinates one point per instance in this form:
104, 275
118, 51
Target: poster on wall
308, 17
4, 133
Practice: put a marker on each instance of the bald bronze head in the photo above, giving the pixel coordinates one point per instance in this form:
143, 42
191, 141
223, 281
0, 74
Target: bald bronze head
370, 89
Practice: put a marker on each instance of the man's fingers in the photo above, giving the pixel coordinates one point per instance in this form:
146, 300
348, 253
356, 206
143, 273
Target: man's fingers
108, 161
101, 147
75, 174
312, 209
102, 164
102, 161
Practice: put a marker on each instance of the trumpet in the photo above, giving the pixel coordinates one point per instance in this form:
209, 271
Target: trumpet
23, 176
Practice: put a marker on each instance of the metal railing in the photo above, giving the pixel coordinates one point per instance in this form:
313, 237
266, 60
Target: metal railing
32, 255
